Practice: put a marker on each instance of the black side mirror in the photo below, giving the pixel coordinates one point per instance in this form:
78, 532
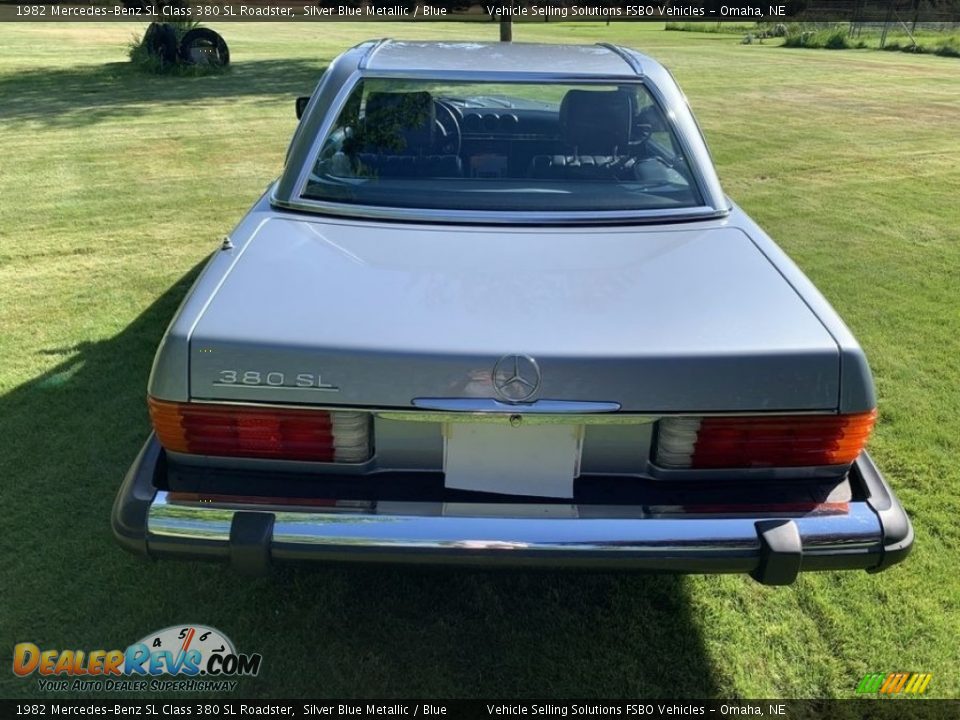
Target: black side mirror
302, 105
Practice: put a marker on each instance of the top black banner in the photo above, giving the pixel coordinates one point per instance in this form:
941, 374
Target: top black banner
857, 11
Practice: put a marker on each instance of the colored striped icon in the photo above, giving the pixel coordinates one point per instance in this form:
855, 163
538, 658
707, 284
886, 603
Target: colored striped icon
895, 683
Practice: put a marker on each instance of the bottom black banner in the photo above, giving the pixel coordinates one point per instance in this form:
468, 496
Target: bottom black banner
881, 709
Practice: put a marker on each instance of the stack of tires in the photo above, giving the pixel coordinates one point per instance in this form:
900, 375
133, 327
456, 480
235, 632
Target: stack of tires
199, 46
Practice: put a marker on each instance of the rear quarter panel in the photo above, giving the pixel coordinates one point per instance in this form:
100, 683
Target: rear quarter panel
857, 393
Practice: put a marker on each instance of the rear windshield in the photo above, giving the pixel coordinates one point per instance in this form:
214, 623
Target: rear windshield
510, 147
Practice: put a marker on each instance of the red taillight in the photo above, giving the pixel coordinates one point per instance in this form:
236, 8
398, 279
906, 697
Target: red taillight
261, 432
762, 441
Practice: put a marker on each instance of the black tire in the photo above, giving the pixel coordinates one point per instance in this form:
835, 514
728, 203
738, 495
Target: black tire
216, 50
161, 42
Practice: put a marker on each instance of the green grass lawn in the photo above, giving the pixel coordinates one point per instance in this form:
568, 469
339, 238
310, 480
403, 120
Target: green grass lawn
945, 41
114, 188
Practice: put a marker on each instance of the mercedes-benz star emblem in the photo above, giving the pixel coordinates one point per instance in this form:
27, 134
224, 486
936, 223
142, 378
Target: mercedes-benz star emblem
516, 378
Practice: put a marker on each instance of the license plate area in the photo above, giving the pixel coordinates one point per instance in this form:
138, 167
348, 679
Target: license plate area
526, 459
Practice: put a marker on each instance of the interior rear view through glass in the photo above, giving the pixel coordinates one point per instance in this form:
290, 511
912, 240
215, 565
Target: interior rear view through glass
495, 146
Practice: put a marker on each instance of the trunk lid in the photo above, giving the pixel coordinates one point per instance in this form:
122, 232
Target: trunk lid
655, 319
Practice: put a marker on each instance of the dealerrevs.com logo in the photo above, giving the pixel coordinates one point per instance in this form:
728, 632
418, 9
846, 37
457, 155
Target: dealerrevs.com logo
198, 657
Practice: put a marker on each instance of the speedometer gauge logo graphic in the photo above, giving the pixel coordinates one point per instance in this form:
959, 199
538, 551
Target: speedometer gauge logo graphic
181, 640
189, 650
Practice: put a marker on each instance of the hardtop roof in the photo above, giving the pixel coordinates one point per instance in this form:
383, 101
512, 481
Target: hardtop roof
599, 60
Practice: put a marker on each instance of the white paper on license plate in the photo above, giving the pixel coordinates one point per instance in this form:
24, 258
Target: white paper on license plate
540, 460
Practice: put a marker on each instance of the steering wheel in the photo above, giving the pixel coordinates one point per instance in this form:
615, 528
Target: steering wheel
645, 124
451, 137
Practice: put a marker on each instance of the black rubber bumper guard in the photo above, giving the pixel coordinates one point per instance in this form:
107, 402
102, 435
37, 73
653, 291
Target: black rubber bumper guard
781, 554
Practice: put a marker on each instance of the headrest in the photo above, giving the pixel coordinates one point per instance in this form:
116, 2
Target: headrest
400, 123
596, 121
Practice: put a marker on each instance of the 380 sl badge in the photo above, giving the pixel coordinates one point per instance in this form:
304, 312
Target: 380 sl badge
274, 379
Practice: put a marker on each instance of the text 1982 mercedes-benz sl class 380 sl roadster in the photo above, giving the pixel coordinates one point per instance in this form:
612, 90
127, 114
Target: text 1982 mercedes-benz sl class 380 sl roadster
498, 310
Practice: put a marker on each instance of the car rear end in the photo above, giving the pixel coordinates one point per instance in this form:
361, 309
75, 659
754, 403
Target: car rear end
255, 485
483, 375
662, 418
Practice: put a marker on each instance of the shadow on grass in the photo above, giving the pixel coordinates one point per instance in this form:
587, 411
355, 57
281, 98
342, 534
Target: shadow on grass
323, 631
87, 94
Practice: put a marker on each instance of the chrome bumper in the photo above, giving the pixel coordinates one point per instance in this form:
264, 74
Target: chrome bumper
873, 534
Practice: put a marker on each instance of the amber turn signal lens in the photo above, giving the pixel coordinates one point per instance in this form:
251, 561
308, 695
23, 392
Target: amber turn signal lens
261, 432
763, 440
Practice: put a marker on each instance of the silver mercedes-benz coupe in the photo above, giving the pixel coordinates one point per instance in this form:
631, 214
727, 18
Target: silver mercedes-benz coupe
498, 310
